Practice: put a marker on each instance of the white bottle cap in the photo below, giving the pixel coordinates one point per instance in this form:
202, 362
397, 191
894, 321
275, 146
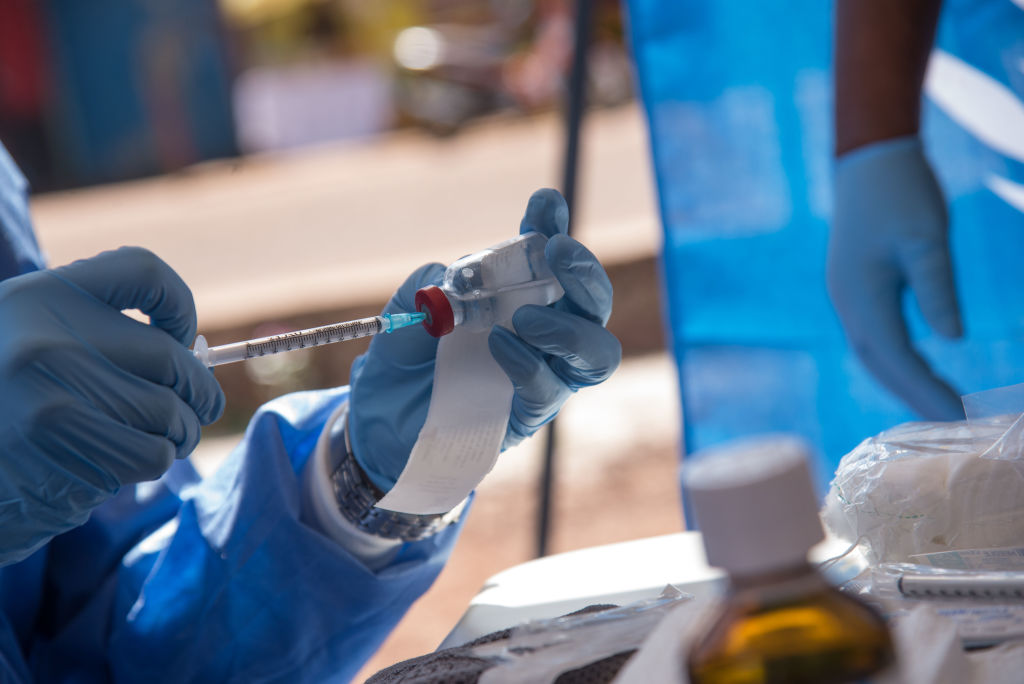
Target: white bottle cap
755, 503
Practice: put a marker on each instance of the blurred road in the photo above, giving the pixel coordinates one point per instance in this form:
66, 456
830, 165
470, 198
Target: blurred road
324, 227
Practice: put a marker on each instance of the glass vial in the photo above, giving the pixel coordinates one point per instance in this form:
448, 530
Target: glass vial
487, 287
780, 622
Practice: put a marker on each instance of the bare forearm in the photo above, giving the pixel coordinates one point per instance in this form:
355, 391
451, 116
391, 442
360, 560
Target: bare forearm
881, 51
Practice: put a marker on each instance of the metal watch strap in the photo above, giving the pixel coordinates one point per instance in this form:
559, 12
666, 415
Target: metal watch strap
357, 497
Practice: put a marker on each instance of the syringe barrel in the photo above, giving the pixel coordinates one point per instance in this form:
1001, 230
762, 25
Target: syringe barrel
298, 339
487, 287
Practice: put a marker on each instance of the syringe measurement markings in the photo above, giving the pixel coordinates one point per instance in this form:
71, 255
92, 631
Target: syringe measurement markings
313, 338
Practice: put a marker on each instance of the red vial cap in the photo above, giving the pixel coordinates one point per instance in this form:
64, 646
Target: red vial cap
432, 301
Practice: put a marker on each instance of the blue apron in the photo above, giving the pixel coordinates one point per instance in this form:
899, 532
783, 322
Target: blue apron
738, 97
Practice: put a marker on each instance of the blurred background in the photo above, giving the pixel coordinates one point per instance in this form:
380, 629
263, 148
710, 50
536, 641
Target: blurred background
121, 89
294, 160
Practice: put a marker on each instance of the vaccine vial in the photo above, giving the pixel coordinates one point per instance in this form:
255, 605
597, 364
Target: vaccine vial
487, 287
781, 621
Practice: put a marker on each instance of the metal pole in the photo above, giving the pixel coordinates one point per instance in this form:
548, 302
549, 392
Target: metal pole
573, 119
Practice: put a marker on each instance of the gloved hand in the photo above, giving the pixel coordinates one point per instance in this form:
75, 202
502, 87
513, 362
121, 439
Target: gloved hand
556, 350
91, 399
889, 232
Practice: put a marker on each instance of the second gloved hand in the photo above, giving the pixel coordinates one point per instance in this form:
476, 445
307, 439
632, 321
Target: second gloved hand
92, 400
889, 233
554, 351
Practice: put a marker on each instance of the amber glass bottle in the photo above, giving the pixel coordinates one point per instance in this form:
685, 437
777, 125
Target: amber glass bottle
780, 622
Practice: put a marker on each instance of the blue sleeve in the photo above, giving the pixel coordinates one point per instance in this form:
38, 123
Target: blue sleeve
19, 251
216, 580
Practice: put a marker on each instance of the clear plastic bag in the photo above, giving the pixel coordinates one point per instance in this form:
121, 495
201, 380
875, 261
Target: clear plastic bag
926, 487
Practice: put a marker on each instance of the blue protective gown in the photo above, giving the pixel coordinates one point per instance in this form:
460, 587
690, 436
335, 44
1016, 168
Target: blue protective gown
221, 579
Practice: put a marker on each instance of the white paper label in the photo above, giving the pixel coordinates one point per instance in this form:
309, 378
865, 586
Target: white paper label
466, 423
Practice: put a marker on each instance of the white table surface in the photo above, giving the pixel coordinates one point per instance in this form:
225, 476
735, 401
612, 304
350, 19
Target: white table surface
615, 573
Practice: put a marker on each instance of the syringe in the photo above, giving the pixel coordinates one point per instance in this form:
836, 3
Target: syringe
302, 339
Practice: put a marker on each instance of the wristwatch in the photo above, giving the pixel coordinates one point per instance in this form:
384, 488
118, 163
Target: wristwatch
357, 499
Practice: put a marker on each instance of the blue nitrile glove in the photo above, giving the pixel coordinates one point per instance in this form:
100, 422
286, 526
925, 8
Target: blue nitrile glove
889, 232
557, 350
91, 399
